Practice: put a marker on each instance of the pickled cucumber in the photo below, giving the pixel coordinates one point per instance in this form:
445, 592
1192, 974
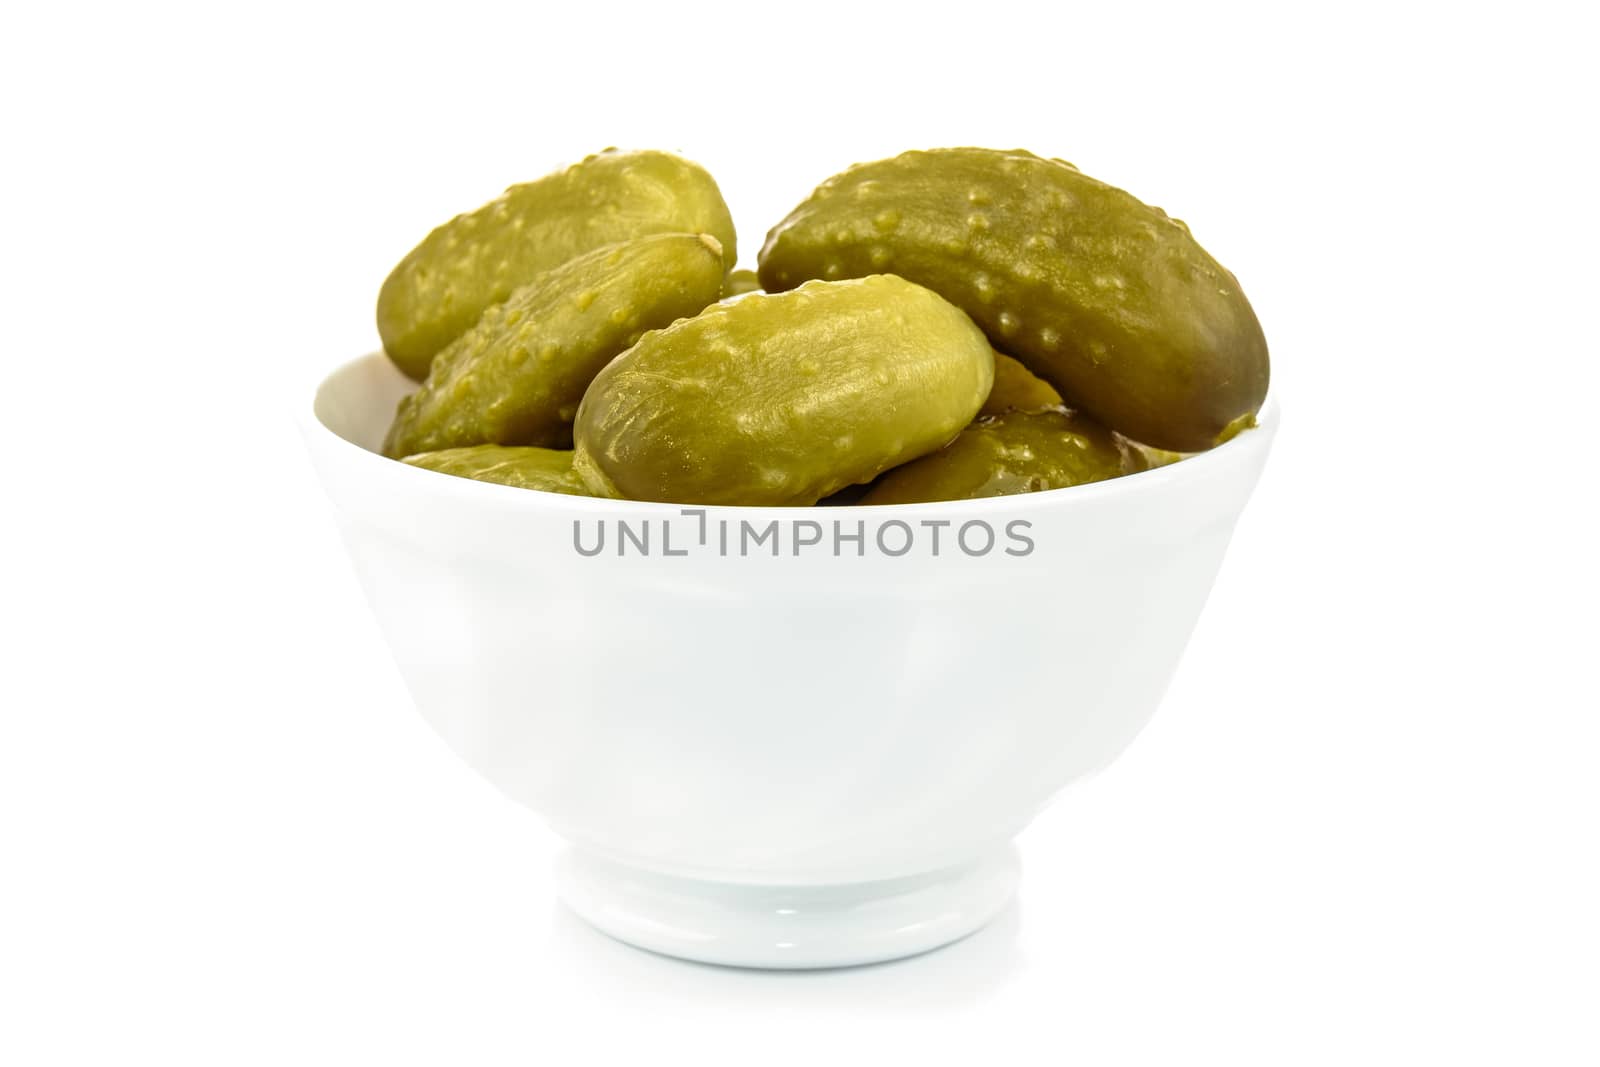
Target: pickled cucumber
517, 376
546, 469
740, 282
1107, 299
477, 260
1153, 457
1016, 388
772, 400
1017, 452
1160, 457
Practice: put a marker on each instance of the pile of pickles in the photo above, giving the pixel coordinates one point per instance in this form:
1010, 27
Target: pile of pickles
943, 325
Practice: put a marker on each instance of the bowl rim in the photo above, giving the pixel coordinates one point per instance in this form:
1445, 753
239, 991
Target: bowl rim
1241, 448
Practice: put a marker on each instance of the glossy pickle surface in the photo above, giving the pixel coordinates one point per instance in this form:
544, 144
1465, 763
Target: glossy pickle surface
1016, 452
478, 259
517, 377
1106, 298
546, 469
1016, 388
783, 399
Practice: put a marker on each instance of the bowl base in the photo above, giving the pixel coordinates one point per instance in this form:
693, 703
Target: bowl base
787, 927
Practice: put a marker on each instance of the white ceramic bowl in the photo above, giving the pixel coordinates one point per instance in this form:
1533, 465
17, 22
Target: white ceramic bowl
813, 746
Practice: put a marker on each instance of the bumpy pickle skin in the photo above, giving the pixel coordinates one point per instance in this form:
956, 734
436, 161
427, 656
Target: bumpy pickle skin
741, 282
545, 469
1017, 452
1016, 388
774, 400
517, 376
1107, 299
479, 259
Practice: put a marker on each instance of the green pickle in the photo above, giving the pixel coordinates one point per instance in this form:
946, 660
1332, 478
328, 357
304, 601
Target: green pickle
1236, 427
1107, 299
1016, 388
479, 259
1160, 457
1154, 457
741, 282
1017, 452
545, 469
516, 377
783, 399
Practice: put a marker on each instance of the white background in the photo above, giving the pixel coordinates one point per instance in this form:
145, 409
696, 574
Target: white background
1363, 828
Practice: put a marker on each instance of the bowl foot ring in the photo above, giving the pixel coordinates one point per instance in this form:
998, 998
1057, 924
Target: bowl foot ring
784, 926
